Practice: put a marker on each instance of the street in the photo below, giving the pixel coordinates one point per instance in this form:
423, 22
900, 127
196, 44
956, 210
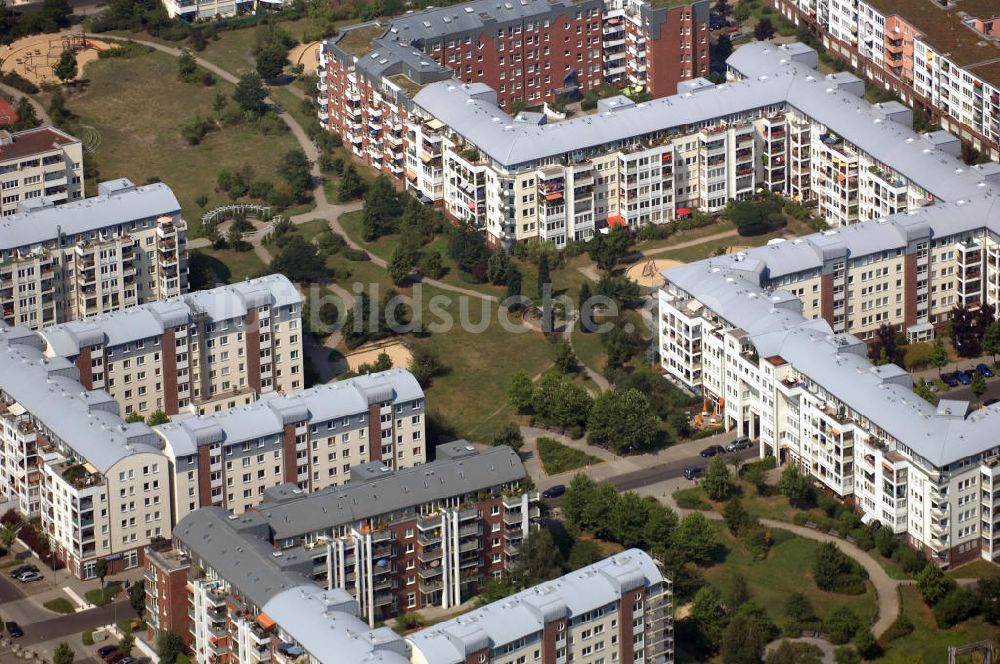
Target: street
669, 470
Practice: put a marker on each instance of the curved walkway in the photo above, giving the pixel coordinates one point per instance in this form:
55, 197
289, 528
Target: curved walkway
690, 243
15, 95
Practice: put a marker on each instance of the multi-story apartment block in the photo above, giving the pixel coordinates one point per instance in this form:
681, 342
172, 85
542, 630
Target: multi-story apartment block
529, 52
617, 610
121, 248
100, 486
205, 10
43, 163
196, 353
940, 57
312, 438
766, 336
777, 125
228, 583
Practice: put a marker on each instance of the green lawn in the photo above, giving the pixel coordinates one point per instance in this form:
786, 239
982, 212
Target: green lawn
787, 569
558, 458
589, 349
927, 644
137, 106
691, 498
97, 597
235, 265
60, 605
720, 226
977, 569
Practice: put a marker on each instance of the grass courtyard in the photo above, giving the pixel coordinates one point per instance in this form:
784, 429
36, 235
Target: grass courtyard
136, 107
559, 458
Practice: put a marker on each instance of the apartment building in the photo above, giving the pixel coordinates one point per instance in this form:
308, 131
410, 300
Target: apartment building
226, 583
616, 610
777, 125
206, 10
43, 163
311, 438
99, 486
529, 51
775, 370
123, 247
942, 58
196, 353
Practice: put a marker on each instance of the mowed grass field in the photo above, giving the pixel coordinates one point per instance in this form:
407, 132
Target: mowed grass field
137, 106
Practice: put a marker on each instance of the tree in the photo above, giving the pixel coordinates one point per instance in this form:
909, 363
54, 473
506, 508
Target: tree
168, 646
400, 266
65, 69
799, 610
63, 654
295, 169
964, 334
543, 273
521, 391
497, 266
607, 250
939, 356
8, 533
576, 500
126, 643
57, 108
866, 643
565, 359
739, 593
736, 516
509, 435
709, 614
27, 118
696, 538
718, 483
794, 485
789, 652
721, 7
157, 417
884, 349
764, 29
991, 340
187, 67
583, 553
847, 655
723, 48
989, 598
271, 62
300, 261
430, 264
757, 216
425, 365
101, 569
978, 384
351, 186
933, 584
623, 421
514, 286
539, 559
137, 598
383, 209
841, 624
585, 306
834, 571
250, 94
747, 634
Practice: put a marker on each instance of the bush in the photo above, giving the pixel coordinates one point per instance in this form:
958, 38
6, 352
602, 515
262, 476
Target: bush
835, 572
909, 559
841, 624
409, 620
18, 82
558, 458
955, 607
933, 584
900, 627
691, 499
357, 255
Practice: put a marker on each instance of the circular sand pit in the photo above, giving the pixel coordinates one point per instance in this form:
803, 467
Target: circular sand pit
34, 57
397, 351
646, 272
306, 55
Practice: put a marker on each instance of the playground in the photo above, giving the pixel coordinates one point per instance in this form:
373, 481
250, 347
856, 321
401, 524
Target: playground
397, 351
646, 273
306, 55
34, 57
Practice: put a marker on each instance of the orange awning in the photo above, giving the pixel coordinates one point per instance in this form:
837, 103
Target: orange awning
682, 211
265, 621
553, 197
616, 220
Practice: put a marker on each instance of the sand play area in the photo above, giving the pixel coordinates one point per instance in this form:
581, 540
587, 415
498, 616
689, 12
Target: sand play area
33, 57
397, 351
306, 55
647, 271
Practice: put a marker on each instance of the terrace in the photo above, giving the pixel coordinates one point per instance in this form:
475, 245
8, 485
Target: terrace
358, 41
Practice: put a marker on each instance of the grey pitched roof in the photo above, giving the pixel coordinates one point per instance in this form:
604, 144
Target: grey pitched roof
273, 410
325, 624
120, 203
473, 17
234, 547
296, 514
87, 422
774, 80
525, 613
151, 319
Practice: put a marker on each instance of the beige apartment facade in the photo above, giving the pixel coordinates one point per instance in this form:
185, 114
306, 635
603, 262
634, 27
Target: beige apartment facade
39, 164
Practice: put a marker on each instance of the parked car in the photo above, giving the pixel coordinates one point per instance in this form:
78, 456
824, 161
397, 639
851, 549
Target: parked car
712, 450
692, 473
128, 660
743, 443
715, 22
104, 651
554, 491
28, 577
984, 370
14, 630
116, 658
18, 571
950, 379
964, 377
111, 653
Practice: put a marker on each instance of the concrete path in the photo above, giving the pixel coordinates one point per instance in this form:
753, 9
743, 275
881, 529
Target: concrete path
15, 95
690, 243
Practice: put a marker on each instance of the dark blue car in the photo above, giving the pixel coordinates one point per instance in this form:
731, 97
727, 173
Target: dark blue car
964, 377
984, 370
950, 379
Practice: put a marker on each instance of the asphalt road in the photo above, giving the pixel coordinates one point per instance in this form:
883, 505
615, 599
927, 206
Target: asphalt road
666, 471
74, 623
9, 590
